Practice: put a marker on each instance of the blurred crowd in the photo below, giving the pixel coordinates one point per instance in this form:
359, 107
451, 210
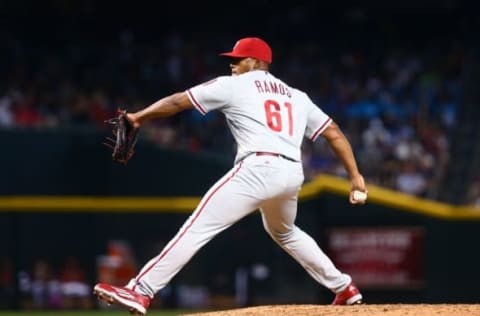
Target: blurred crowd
44, 286
66, 282
397, 104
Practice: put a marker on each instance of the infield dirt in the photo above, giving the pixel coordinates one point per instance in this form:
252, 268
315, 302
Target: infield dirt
356, 310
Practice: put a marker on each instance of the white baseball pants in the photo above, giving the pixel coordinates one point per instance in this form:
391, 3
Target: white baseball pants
265, 182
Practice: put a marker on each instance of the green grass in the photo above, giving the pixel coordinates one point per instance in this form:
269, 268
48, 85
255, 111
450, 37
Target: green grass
94, 313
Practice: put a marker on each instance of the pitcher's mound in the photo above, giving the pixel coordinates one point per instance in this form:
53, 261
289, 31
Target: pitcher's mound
356, 310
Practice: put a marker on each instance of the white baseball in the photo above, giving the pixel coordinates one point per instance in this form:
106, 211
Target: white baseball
359, 195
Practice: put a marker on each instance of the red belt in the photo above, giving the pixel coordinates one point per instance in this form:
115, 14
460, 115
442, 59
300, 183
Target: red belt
265, 153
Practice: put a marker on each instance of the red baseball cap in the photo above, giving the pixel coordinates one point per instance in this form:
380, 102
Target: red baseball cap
251, 47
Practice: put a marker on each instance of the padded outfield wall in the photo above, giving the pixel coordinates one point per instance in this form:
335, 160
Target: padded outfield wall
71, 200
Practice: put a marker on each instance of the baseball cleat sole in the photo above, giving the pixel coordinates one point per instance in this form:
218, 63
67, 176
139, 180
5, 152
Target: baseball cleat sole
354, 300
107, 299
359, 302
110, 299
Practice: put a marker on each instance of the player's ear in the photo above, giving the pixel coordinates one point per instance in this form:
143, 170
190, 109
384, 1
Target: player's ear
256, 64
260, 64
250, 63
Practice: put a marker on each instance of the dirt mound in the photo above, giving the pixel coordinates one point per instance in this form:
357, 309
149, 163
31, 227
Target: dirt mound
356, 310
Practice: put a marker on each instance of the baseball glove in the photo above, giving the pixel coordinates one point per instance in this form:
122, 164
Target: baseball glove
125, 137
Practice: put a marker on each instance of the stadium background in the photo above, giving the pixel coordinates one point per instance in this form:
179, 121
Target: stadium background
399, 77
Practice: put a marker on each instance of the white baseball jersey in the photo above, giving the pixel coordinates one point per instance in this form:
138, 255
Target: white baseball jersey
263, 113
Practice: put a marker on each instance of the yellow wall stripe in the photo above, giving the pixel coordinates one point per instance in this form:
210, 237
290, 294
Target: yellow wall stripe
94, 204
393, 199
324, 183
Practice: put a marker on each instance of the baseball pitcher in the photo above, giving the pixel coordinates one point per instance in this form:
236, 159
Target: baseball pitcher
268, 120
